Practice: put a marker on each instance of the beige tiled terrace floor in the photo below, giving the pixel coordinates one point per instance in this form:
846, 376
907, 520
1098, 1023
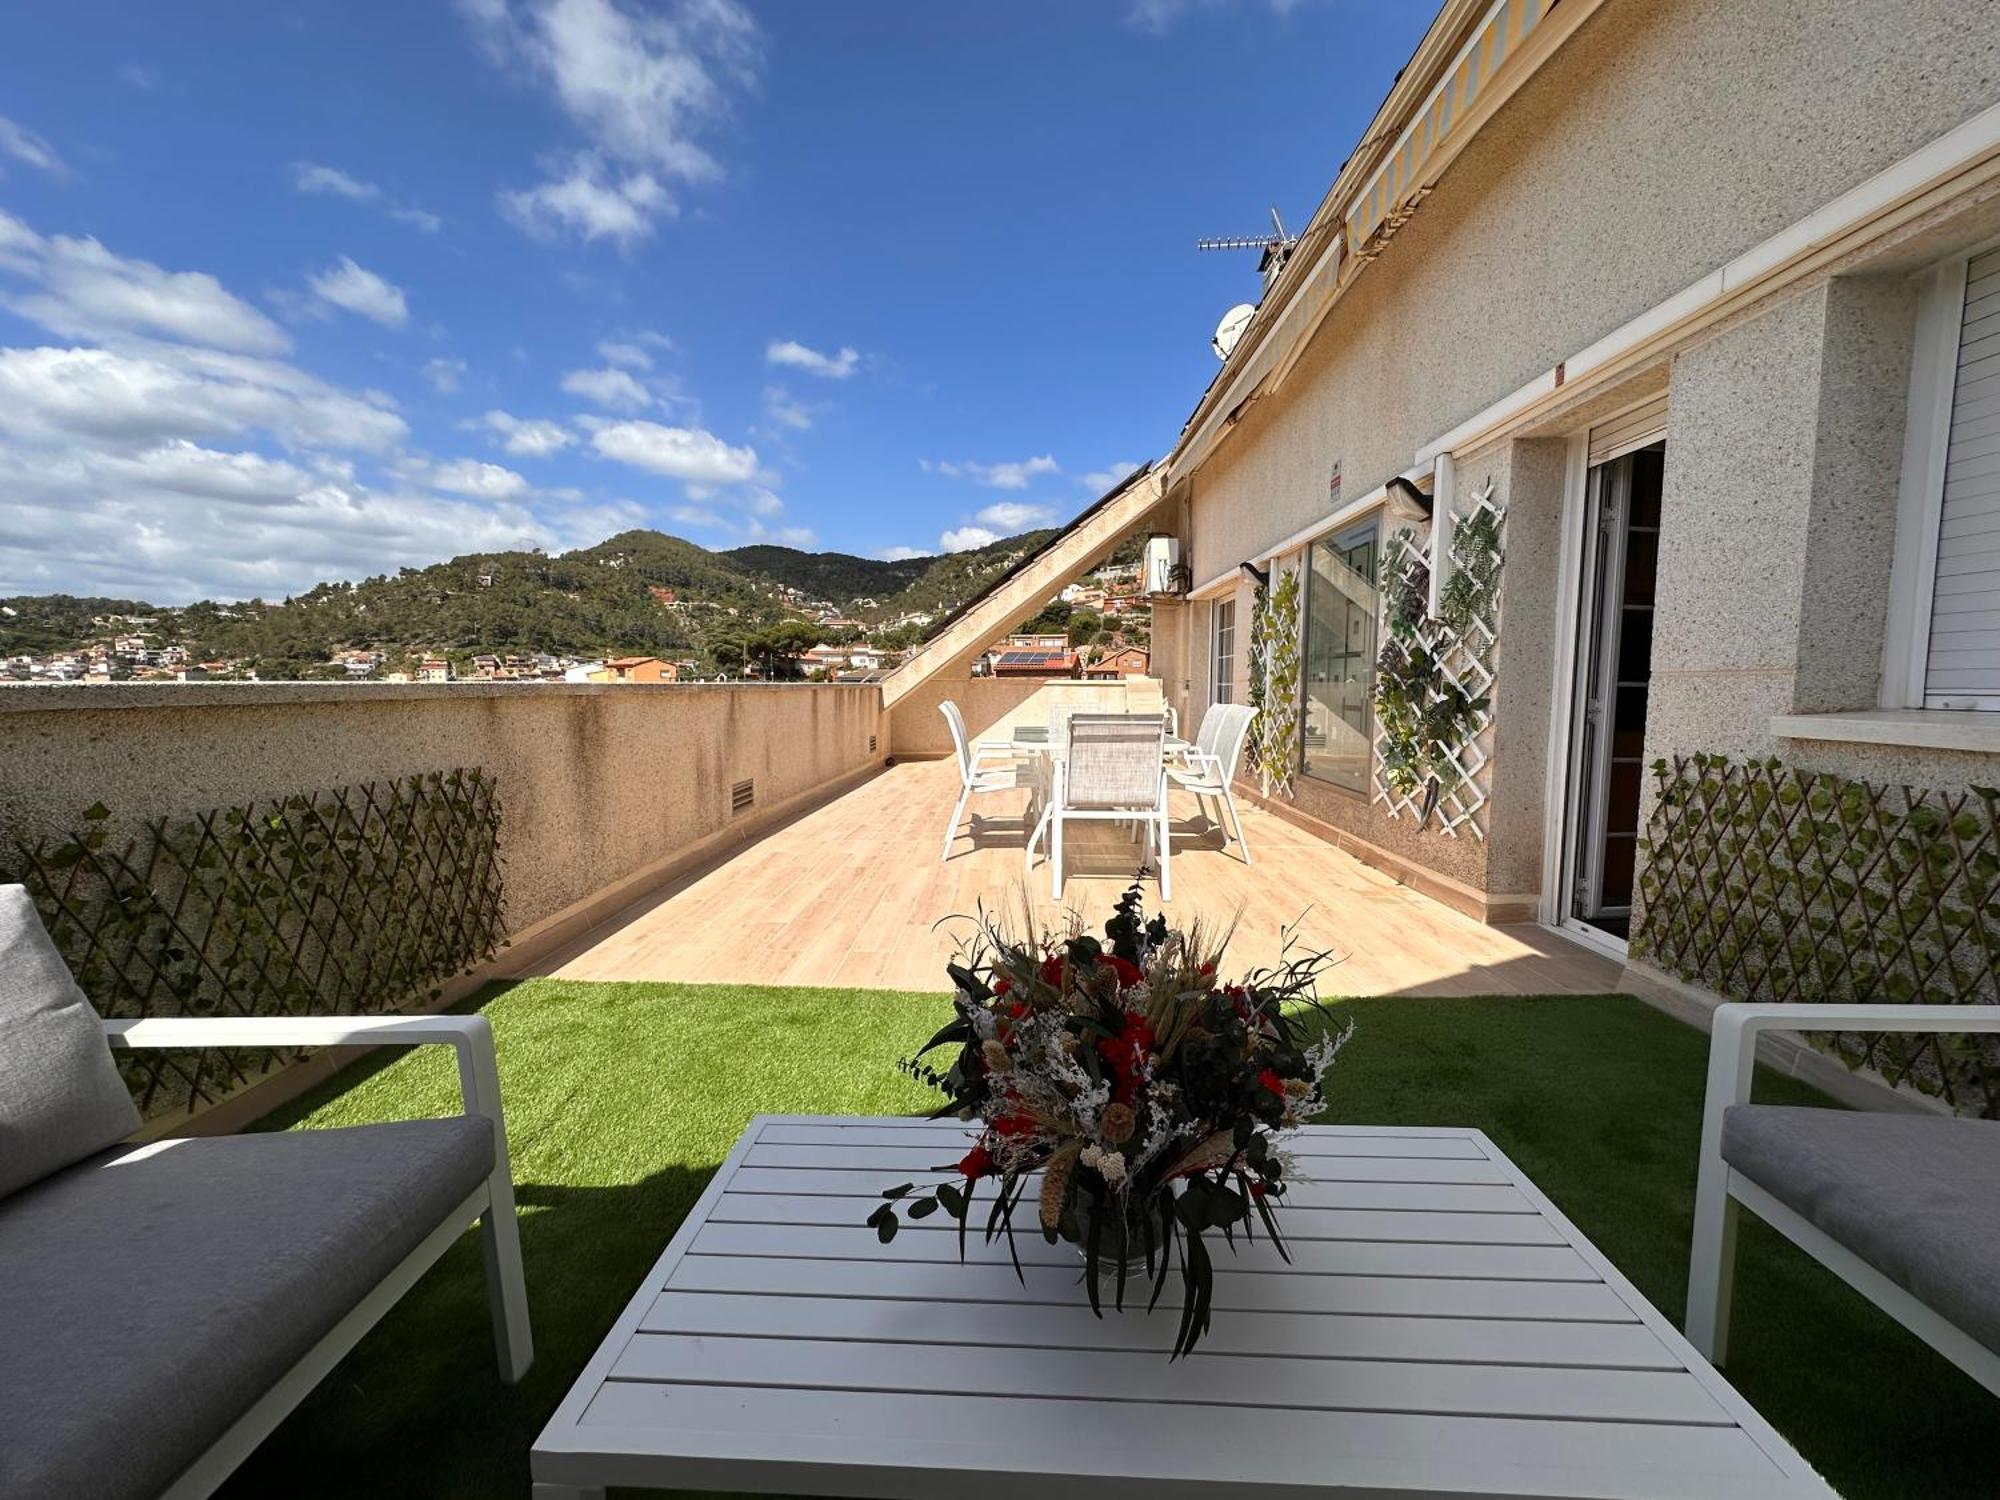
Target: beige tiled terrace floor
850, 895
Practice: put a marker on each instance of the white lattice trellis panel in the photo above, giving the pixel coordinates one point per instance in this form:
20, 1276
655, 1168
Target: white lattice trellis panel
1466, 659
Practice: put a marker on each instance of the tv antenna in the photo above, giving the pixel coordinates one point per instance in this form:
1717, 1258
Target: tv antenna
1275, 243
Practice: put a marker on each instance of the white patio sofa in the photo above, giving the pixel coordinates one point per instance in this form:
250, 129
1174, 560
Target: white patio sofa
163, 1306
1905, 1208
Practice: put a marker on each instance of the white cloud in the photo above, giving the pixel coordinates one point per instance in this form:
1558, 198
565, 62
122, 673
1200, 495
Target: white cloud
85, 291
23, 145
905, 554
798, 356
609, 388
781, 408
360, 291
695, 515
589, 202
784, 536
965, 538
1100, 481
685, 453
634, 351
312, 177
641, 86
1016, 515
422, 218
527, 437
107, 398
1003, 476
317, 178
444, 374
1158, 16
141, 76
465, 476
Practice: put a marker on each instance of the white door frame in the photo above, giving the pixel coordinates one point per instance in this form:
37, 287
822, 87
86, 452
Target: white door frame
1570, 569
1573, 577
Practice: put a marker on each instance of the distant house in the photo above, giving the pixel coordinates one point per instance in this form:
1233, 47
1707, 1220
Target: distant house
1128, 661
1054, 641
636, 669
434, 669
1033, 662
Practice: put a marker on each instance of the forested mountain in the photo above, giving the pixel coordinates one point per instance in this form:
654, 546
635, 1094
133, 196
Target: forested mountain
609, 598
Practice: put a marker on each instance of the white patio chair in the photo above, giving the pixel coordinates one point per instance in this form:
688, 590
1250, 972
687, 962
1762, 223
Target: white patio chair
1902, 1207
1209, 766
985, 767
1110, 771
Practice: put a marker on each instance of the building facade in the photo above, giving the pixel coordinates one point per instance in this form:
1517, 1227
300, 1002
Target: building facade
1685, 320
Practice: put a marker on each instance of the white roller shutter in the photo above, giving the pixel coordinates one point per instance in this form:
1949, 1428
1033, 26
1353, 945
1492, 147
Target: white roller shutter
1963, 668
1635, 427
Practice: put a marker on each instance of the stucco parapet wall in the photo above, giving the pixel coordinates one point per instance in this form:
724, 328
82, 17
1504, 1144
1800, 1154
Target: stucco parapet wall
92, 697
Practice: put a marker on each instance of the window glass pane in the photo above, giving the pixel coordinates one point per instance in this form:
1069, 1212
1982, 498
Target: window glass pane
1340, 658
1222, 655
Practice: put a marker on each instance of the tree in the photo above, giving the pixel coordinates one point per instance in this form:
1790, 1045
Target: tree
1084, 625
776, 647
1053, 620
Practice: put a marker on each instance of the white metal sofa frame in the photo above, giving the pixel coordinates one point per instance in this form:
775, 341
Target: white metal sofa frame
492, 1206
1210, 765
1720, 1188
1134, 791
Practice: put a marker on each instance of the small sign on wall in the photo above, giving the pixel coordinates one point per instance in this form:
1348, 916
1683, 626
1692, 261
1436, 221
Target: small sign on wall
1333, 485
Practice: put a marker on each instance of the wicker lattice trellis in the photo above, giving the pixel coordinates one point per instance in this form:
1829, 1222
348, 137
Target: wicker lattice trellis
355, 900
1460, 641
1764, 882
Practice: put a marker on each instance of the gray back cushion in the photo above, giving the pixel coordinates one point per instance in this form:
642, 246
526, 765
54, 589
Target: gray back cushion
60, 1094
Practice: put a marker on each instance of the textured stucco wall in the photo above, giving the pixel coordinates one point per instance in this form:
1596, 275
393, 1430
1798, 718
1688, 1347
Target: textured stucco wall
596, 782
1784, 439
1528, 480
1660, 142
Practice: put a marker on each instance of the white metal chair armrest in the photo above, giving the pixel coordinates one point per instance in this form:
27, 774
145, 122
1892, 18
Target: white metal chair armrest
471, 1037
1732, 1061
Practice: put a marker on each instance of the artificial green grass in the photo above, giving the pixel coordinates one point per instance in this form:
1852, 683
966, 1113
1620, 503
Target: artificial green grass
622, 1099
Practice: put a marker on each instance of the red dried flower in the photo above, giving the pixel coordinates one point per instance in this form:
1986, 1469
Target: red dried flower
1052, 969
1014, 1125
1126, 1056
1001, 986
1127, 971
1273, 1082
976, 1163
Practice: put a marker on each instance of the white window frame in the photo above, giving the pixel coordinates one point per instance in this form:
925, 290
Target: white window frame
1920, 491
1221, 664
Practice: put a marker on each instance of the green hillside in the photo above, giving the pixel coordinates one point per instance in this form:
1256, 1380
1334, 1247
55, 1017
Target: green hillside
586, 603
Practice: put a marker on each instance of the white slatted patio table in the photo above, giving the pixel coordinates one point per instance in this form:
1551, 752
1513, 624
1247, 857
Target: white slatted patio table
1443, 1331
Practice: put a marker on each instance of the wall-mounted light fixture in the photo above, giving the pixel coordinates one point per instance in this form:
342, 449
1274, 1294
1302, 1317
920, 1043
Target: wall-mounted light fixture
1255, 574
1406, 501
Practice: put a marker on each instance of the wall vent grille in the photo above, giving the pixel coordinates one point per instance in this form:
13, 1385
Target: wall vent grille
871, 744
742, 796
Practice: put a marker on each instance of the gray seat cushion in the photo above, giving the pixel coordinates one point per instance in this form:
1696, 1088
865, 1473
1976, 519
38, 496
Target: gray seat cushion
151, 1294
1916, 1197
60, 1094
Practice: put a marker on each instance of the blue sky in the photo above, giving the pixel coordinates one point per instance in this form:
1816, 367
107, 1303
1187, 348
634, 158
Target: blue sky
308, 290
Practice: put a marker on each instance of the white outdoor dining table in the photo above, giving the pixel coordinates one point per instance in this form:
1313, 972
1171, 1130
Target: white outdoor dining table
1443, 1331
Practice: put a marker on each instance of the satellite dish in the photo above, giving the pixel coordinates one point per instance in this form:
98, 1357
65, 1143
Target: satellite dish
1230, 329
